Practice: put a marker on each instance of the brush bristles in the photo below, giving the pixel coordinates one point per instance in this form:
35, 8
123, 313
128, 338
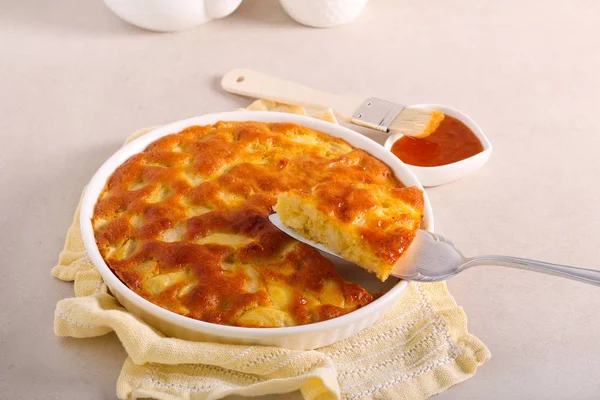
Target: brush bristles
416, 122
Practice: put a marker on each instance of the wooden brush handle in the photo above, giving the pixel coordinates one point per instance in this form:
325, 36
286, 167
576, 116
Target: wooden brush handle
261, 86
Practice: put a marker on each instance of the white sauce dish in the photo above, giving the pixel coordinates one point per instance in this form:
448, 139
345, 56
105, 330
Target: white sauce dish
440, 175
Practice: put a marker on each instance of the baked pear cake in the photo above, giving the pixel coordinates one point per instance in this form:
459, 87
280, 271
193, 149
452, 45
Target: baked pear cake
184, 224
368, 224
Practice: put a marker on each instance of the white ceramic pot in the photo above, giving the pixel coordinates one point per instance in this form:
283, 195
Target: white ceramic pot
171, 15
323, 13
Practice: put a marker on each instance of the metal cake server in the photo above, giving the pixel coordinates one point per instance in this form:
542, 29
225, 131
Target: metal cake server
432, 257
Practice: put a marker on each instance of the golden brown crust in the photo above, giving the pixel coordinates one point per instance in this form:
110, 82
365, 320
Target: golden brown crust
387, 235
185, 223
368, 224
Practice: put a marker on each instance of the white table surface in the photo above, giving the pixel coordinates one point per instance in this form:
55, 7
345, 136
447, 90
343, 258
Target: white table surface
75, 81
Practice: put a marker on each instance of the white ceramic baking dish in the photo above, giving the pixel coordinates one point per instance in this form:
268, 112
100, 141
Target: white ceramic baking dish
436, 176
298, 337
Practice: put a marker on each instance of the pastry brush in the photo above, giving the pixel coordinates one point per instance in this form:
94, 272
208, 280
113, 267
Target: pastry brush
371, 112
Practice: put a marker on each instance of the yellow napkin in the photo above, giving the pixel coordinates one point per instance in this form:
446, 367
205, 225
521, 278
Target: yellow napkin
419, 349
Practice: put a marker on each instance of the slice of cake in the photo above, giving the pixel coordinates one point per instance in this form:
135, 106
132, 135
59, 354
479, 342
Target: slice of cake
367, 224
